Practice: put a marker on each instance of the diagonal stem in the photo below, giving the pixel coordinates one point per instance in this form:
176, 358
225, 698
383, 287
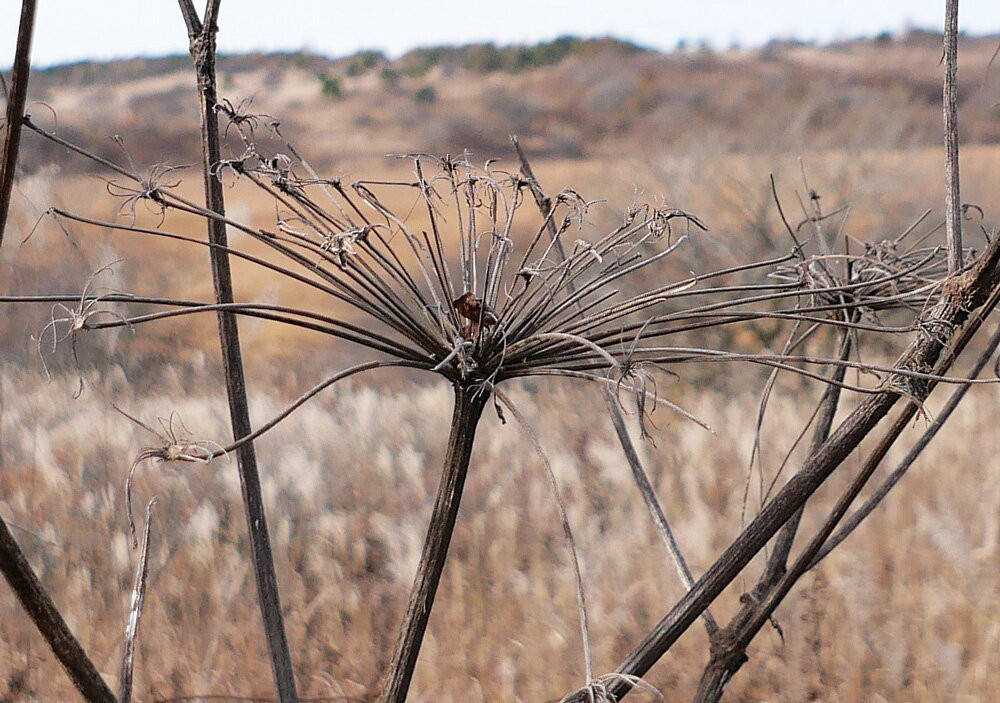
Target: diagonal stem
468, 409
544, 204
202, 44
726, 655
44, 613
653, 504
827, 411
892, 479
966, 293
822, 543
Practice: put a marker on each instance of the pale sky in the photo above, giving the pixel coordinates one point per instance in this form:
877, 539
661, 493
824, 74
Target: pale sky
74, 30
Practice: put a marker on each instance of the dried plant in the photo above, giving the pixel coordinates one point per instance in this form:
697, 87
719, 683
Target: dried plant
495, 311
80, 318
176, 444
468, 284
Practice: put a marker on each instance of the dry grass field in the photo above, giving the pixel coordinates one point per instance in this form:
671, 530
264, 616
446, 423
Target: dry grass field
907, 610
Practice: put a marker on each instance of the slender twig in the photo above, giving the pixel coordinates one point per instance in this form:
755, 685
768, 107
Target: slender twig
544, 204
653, 503
827, 411
202, 36
953, 198
726, 659
135, 611
15, 109
581, 598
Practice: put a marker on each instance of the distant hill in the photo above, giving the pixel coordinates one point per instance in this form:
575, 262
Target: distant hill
568, 98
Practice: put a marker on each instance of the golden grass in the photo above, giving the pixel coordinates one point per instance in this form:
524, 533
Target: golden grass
906, 610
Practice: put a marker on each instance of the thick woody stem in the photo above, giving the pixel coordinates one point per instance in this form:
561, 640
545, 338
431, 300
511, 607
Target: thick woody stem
469, 406
960, 297
44, 613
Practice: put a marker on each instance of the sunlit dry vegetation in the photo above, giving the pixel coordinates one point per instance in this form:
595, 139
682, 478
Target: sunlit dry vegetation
769, 227
907, 611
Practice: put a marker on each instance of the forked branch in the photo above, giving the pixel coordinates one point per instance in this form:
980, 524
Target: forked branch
960, 298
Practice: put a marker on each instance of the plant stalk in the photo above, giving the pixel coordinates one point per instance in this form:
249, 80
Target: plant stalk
912, 455
953, 198
203, 52
15, 108
468, 409
44, 613
13, 564
968, 292
726, 658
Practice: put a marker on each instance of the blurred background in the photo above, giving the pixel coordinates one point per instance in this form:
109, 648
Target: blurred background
690, 105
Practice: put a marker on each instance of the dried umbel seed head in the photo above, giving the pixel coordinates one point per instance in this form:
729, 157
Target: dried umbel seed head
479, 315
472, 308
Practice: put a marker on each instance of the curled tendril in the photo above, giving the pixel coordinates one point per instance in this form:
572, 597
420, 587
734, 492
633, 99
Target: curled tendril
78, 319
176, 443
341, 244
149, 189
240, 116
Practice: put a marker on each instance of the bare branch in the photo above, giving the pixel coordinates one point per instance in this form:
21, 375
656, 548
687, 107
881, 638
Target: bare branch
953, 198
728, 653
893, 478
653, 504
544, 204
202, 46
135, 611
964, 295
15, 109
191, 20
47, 618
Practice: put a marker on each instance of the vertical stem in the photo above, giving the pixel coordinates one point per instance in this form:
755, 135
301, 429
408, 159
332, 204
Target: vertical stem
49, 621
465, 418
953, 199
202, 39
13, 564
15, 108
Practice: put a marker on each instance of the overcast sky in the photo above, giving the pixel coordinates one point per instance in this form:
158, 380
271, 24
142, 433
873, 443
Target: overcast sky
74, 30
